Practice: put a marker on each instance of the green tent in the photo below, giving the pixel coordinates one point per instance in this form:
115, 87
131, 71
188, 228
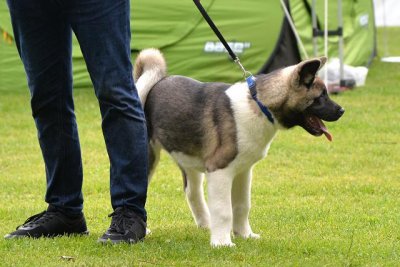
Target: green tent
358, 28
256, 30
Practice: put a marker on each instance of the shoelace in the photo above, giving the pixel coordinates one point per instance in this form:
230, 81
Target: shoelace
36, 219
122, 220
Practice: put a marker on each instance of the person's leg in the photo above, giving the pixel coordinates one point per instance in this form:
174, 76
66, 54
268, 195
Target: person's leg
102, 28
43, 39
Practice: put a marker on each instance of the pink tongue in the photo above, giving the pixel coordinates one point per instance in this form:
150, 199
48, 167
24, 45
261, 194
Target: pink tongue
323, 128
327, 134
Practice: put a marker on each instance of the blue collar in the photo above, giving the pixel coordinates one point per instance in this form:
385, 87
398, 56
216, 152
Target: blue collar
251, 83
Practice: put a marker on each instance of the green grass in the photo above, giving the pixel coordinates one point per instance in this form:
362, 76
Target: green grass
314, 203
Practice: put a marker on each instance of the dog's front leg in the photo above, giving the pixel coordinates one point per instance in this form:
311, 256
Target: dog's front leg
219, 204
241, 203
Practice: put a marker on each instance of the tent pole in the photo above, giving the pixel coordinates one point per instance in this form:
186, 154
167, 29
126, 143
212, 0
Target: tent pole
315, 28
385, 42
326, 39
341, 44
293, 27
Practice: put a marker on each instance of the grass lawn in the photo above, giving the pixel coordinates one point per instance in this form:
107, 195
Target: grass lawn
314, 203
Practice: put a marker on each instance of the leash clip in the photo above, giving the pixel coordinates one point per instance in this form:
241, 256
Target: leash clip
246, 74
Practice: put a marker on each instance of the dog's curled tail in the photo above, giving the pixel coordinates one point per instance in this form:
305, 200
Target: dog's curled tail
150, 68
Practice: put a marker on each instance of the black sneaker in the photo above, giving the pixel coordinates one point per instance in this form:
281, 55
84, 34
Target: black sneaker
50, 223
126, 226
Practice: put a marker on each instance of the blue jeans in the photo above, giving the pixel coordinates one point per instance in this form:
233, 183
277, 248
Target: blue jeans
43, 32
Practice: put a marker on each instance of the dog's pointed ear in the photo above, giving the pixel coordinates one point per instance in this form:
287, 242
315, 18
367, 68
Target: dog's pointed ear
323, 61
305, 71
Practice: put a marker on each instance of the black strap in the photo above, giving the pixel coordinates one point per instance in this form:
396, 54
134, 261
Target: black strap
251, 80
214, 28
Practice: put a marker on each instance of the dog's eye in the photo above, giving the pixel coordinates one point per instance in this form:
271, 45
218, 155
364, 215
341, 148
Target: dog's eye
321, 97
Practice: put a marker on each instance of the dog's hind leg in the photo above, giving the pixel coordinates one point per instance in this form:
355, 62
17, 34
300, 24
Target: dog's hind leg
154, 157
241, 203
195, 197
219, 204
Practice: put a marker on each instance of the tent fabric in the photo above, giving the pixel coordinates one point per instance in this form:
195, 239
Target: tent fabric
286, 51
251, 27
256, 30
358, 29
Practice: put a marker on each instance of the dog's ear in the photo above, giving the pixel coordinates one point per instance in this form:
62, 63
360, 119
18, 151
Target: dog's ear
305, 71
323, 61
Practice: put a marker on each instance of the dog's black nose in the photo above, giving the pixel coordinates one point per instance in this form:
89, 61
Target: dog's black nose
340, 111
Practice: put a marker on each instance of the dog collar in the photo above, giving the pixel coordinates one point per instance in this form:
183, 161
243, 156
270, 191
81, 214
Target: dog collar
251, 83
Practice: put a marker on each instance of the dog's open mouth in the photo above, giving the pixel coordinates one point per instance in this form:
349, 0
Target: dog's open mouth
315, 126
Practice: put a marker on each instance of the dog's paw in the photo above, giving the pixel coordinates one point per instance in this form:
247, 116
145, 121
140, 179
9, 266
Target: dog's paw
218, 244
248, 235
254, 236
148, 231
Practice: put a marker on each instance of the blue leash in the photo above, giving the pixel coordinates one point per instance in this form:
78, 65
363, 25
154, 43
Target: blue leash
250, 79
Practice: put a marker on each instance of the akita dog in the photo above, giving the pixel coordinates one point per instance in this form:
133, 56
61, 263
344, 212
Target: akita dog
217, 129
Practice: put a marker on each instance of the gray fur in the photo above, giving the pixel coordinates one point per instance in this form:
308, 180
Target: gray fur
195, 119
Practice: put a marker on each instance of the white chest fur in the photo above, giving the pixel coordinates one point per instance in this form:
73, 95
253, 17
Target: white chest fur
254, 131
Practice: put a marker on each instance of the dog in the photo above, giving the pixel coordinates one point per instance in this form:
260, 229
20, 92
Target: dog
218, 131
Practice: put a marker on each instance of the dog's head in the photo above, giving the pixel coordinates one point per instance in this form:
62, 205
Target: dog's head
306, 102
